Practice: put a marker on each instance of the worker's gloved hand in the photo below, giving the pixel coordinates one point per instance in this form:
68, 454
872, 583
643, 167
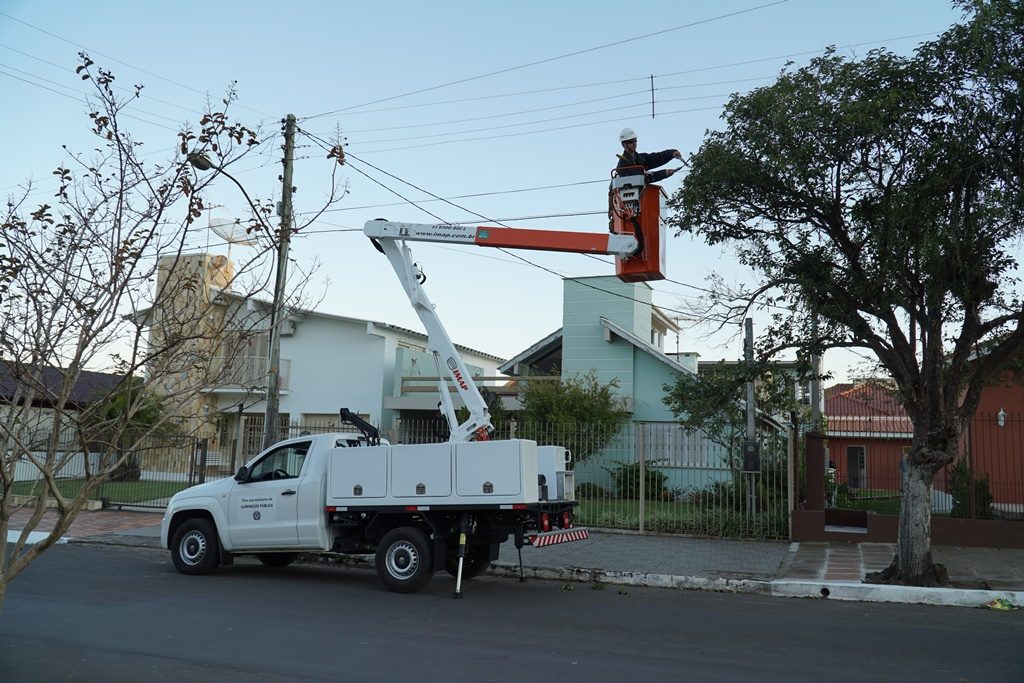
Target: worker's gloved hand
677, 155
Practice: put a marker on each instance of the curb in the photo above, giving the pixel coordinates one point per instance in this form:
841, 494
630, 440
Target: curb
639, 579
580, 575
787, 588
860, 592
116, 539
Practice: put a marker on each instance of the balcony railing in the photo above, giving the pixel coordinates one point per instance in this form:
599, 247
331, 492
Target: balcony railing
509, 386
249, 372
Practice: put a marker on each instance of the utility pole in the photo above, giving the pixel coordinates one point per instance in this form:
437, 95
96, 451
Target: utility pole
815, 380
751, 448
272, 414
748, 355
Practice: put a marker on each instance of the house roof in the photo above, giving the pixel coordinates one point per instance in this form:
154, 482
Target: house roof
867, 399
866, 410
330, 316
545, 347
89, 385
644, 346
553, 343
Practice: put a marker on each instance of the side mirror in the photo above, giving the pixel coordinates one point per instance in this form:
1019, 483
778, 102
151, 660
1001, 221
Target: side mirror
242, 474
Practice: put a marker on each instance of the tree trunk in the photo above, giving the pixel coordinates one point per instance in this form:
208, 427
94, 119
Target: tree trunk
912, 565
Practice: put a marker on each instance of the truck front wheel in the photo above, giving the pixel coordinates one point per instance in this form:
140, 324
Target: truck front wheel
405, 559
194, 549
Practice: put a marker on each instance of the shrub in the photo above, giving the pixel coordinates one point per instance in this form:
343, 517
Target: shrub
960, 490
590, 491
129, 470
627, 482
732, 495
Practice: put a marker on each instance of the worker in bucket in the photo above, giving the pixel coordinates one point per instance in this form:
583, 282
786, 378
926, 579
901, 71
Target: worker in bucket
648, 161
630, 159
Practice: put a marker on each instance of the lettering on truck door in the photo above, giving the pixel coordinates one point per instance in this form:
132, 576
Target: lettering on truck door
264, 509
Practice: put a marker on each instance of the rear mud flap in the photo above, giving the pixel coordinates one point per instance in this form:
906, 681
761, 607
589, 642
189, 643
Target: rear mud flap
539, 540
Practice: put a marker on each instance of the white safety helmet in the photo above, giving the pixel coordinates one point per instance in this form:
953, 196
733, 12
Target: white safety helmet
627, 134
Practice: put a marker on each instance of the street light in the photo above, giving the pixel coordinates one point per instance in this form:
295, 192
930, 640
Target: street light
271, 415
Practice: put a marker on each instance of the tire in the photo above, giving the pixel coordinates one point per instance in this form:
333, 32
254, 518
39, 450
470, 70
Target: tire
195, 548
405, 559
277, 559
474, 563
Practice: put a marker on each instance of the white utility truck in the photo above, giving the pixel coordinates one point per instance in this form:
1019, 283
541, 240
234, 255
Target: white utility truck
419, 507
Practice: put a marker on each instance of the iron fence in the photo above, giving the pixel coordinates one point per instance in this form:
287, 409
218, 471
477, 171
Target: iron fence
986, 480
657, 477
648, 477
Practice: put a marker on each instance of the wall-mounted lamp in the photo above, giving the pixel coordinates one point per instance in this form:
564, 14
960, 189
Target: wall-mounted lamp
1001, 418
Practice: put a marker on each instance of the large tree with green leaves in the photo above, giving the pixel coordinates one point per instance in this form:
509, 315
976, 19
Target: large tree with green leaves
883, 195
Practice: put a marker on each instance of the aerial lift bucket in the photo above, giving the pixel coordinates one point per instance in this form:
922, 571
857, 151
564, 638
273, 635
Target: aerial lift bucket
636, 210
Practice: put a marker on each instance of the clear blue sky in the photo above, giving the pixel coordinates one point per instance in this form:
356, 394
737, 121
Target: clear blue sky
552, 123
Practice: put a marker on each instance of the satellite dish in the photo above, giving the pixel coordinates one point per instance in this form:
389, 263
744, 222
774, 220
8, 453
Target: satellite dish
232, 232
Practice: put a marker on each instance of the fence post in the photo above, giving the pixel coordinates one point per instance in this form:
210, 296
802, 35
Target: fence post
790, 477
642, 456
237, 445
202, 444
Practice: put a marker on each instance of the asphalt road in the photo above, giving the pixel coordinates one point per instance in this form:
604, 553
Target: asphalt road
98, 613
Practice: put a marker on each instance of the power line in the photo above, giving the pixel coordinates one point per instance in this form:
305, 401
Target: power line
794, 54
553, 59
498, 116
83, 99
466, 196
115, 59
117, 87
533, 132
326, 146
636, 79
79, 92
497, 96
510, 125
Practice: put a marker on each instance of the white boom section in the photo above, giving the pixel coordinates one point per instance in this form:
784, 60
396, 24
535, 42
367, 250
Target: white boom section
440, 346
391, 238
622, 245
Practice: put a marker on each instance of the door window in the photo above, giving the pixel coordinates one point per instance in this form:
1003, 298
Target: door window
281, 463
856, 466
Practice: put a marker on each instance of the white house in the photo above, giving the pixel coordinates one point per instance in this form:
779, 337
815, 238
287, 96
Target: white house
328, 362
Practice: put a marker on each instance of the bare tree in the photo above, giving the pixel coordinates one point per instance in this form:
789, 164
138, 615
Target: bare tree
100, 281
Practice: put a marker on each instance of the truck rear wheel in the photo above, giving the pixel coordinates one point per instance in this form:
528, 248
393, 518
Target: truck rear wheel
474, 563
405, 559
195, 549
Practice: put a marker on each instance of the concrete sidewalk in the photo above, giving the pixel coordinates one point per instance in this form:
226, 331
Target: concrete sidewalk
809, 570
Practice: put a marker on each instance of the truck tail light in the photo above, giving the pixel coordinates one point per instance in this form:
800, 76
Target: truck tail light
545, 522
566, 520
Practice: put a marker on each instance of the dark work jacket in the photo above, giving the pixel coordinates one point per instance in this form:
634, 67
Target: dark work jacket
649, 161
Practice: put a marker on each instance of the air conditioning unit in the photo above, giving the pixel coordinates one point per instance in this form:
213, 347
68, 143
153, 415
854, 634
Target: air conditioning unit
287, 327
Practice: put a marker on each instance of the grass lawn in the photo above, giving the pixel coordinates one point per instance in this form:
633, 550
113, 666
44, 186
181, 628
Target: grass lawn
596, 508
880, 501
114, 491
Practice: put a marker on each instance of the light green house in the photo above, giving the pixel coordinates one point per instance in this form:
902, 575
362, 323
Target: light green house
612, 329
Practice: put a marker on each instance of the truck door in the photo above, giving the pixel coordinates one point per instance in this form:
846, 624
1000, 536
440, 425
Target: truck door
264, 508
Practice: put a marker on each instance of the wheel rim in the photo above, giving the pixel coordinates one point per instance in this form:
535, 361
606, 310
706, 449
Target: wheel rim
192, 548
402, 560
